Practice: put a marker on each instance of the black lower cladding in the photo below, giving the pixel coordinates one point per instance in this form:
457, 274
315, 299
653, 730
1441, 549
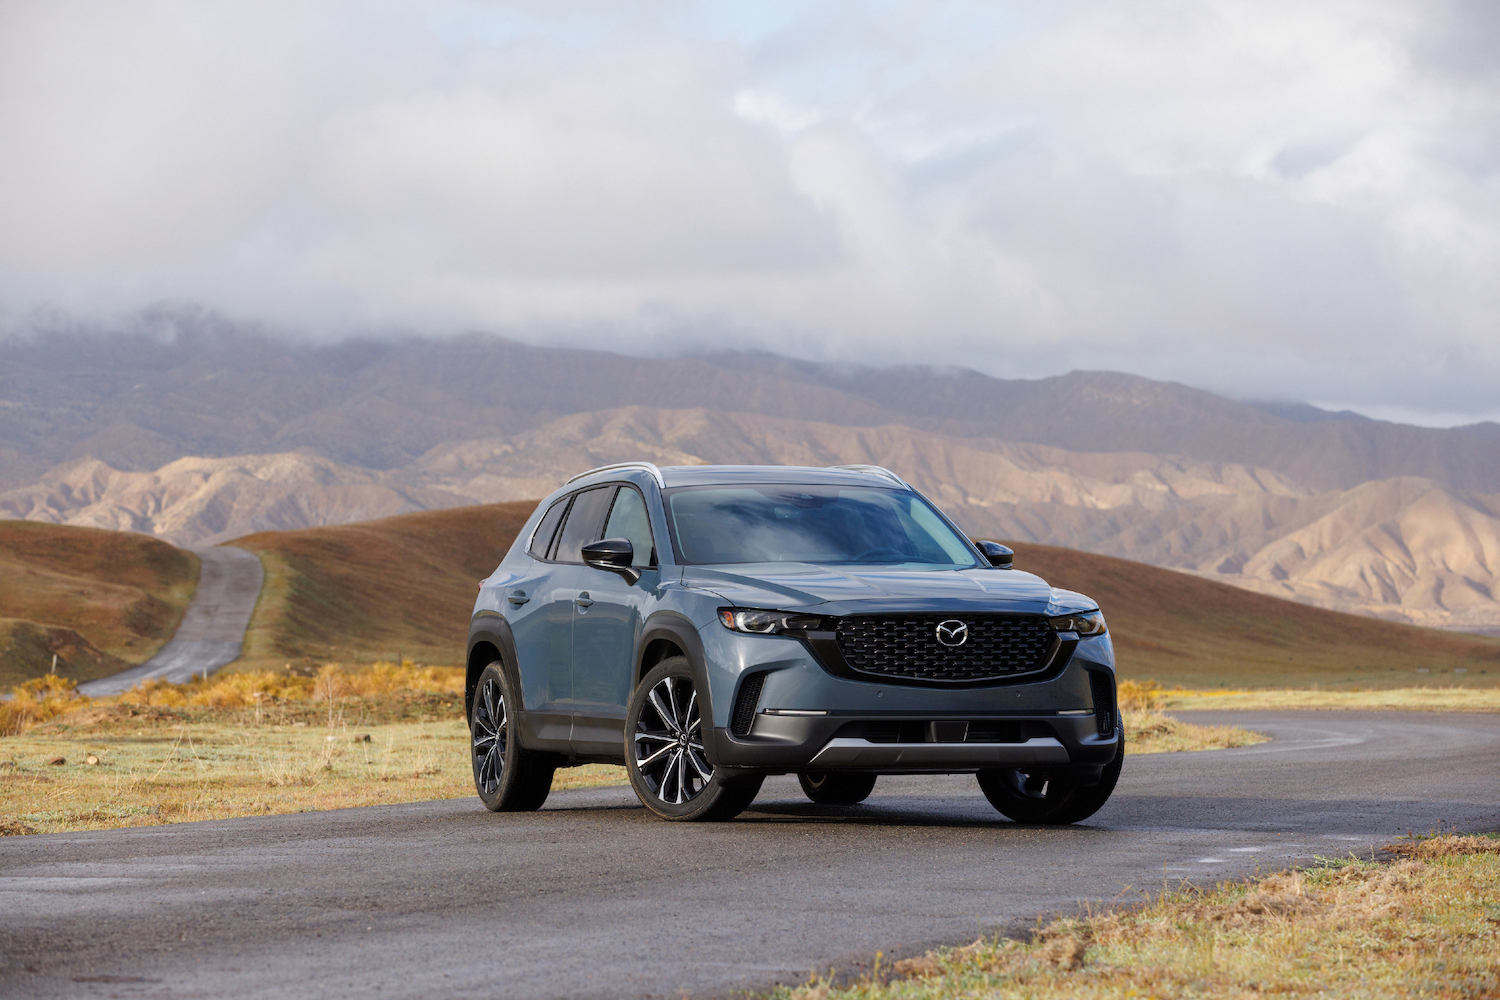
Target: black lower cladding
915, 731
946, 648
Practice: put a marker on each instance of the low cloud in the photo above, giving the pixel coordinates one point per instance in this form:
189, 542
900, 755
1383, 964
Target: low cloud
1268, 199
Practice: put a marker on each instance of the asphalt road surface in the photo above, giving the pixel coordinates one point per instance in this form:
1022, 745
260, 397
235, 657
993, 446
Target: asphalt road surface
592, 898
212, 632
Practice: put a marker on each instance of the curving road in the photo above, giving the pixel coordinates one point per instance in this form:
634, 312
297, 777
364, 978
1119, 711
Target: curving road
212, 633
591, 898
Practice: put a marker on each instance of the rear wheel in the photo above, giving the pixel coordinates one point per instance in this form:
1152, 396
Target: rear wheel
1048, 798
836, 789
508, 777
664, 751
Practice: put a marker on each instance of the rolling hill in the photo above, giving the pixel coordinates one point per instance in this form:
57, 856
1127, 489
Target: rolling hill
406, 584
1403, 548
219, 432
99, 600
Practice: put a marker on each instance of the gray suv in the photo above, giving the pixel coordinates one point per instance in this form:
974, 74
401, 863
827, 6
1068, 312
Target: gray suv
706, 626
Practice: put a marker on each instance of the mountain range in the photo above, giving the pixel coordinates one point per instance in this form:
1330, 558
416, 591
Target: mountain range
213, 432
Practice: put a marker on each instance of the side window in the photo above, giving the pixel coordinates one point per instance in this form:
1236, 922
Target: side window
628, 520
541, 541
585, 519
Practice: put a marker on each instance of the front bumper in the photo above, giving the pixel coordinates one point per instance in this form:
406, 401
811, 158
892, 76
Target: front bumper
807, 718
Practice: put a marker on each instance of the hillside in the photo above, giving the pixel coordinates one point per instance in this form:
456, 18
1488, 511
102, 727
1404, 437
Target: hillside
399, 586
1403, 548
406, 585
1181, 629
100, 600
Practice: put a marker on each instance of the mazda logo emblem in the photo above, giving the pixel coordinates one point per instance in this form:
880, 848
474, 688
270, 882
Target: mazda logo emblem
952, 632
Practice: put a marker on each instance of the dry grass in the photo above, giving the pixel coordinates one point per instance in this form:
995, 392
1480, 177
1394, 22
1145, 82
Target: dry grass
1427, 924
242, 745
1424, 699
1155, 732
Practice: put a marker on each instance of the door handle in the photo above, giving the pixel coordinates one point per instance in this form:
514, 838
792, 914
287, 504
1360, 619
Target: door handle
517, 597
582, 600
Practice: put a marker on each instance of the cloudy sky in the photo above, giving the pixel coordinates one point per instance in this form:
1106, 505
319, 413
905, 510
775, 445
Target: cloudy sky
1267, 199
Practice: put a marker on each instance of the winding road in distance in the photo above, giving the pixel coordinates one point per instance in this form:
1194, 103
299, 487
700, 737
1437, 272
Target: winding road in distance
212, 632
592, 898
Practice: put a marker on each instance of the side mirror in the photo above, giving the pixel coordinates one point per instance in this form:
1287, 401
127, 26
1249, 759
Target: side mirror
614, 555
1000, 556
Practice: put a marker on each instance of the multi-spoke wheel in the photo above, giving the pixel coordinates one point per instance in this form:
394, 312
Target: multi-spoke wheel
836, 789
1049, 798
507, 776
665, 755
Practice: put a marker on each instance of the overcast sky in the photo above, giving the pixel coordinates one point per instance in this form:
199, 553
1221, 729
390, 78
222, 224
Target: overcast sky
1266, 199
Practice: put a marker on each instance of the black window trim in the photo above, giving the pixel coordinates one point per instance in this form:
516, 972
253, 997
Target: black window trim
644, 506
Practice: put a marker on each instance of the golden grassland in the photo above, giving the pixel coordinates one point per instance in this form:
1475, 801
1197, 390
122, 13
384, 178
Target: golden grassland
1152, 696
244, 744
98, 600
1425, 921
240, 744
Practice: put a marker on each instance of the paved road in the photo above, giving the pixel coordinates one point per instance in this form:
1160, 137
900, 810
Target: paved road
212, 632
591, 898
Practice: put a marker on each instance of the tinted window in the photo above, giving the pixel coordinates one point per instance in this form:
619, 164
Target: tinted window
585, 519
628, 520
542, 539
816, 524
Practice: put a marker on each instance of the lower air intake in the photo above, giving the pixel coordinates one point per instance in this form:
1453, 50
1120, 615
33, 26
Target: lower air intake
1102, 686
745, 702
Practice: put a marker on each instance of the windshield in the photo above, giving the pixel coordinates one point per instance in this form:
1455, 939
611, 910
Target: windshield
814, 524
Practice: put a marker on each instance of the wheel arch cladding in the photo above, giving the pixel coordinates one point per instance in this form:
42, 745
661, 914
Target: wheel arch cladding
489, 640
672, 634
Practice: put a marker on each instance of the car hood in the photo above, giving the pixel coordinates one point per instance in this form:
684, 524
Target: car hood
847, 589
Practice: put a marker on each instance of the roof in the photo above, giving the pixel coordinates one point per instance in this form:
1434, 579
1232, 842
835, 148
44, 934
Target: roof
710, 475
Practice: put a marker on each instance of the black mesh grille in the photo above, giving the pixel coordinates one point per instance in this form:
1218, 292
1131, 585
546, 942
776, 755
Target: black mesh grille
907, 646
744, 704
1102, 686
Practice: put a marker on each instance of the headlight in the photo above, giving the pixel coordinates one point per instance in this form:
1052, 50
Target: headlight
768, 622
1085, 624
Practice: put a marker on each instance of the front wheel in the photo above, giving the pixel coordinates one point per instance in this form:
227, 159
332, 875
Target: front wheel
664, 753
836, 789
1048, 799
508, 777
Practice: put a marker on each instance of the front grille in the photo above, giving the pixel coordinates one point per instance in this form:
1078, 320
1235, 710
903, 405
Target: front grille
907, 646
744, 704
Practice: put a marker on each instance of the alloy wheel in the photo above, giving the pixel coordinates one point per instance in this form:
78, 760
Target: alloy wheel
669, 743
489, 735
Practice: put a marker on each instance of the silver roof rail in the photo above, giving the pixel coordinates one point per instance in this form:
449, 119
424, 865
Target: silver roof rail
874, 470
644, 466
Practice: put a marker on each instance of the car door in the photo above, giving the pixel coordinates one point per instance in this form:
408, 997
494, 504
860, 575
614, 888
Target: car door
607, 628
539, 608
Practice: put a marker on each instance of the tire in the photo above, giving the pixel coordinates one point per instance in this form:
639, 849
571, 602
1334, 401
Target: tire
1036, 797
507, 776
836, 789
664, 751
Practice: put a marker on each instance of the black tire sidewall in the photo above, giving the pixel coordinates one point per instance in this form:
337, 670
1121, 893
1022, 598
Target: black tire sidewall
833, 788
520, 778
1073, 806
